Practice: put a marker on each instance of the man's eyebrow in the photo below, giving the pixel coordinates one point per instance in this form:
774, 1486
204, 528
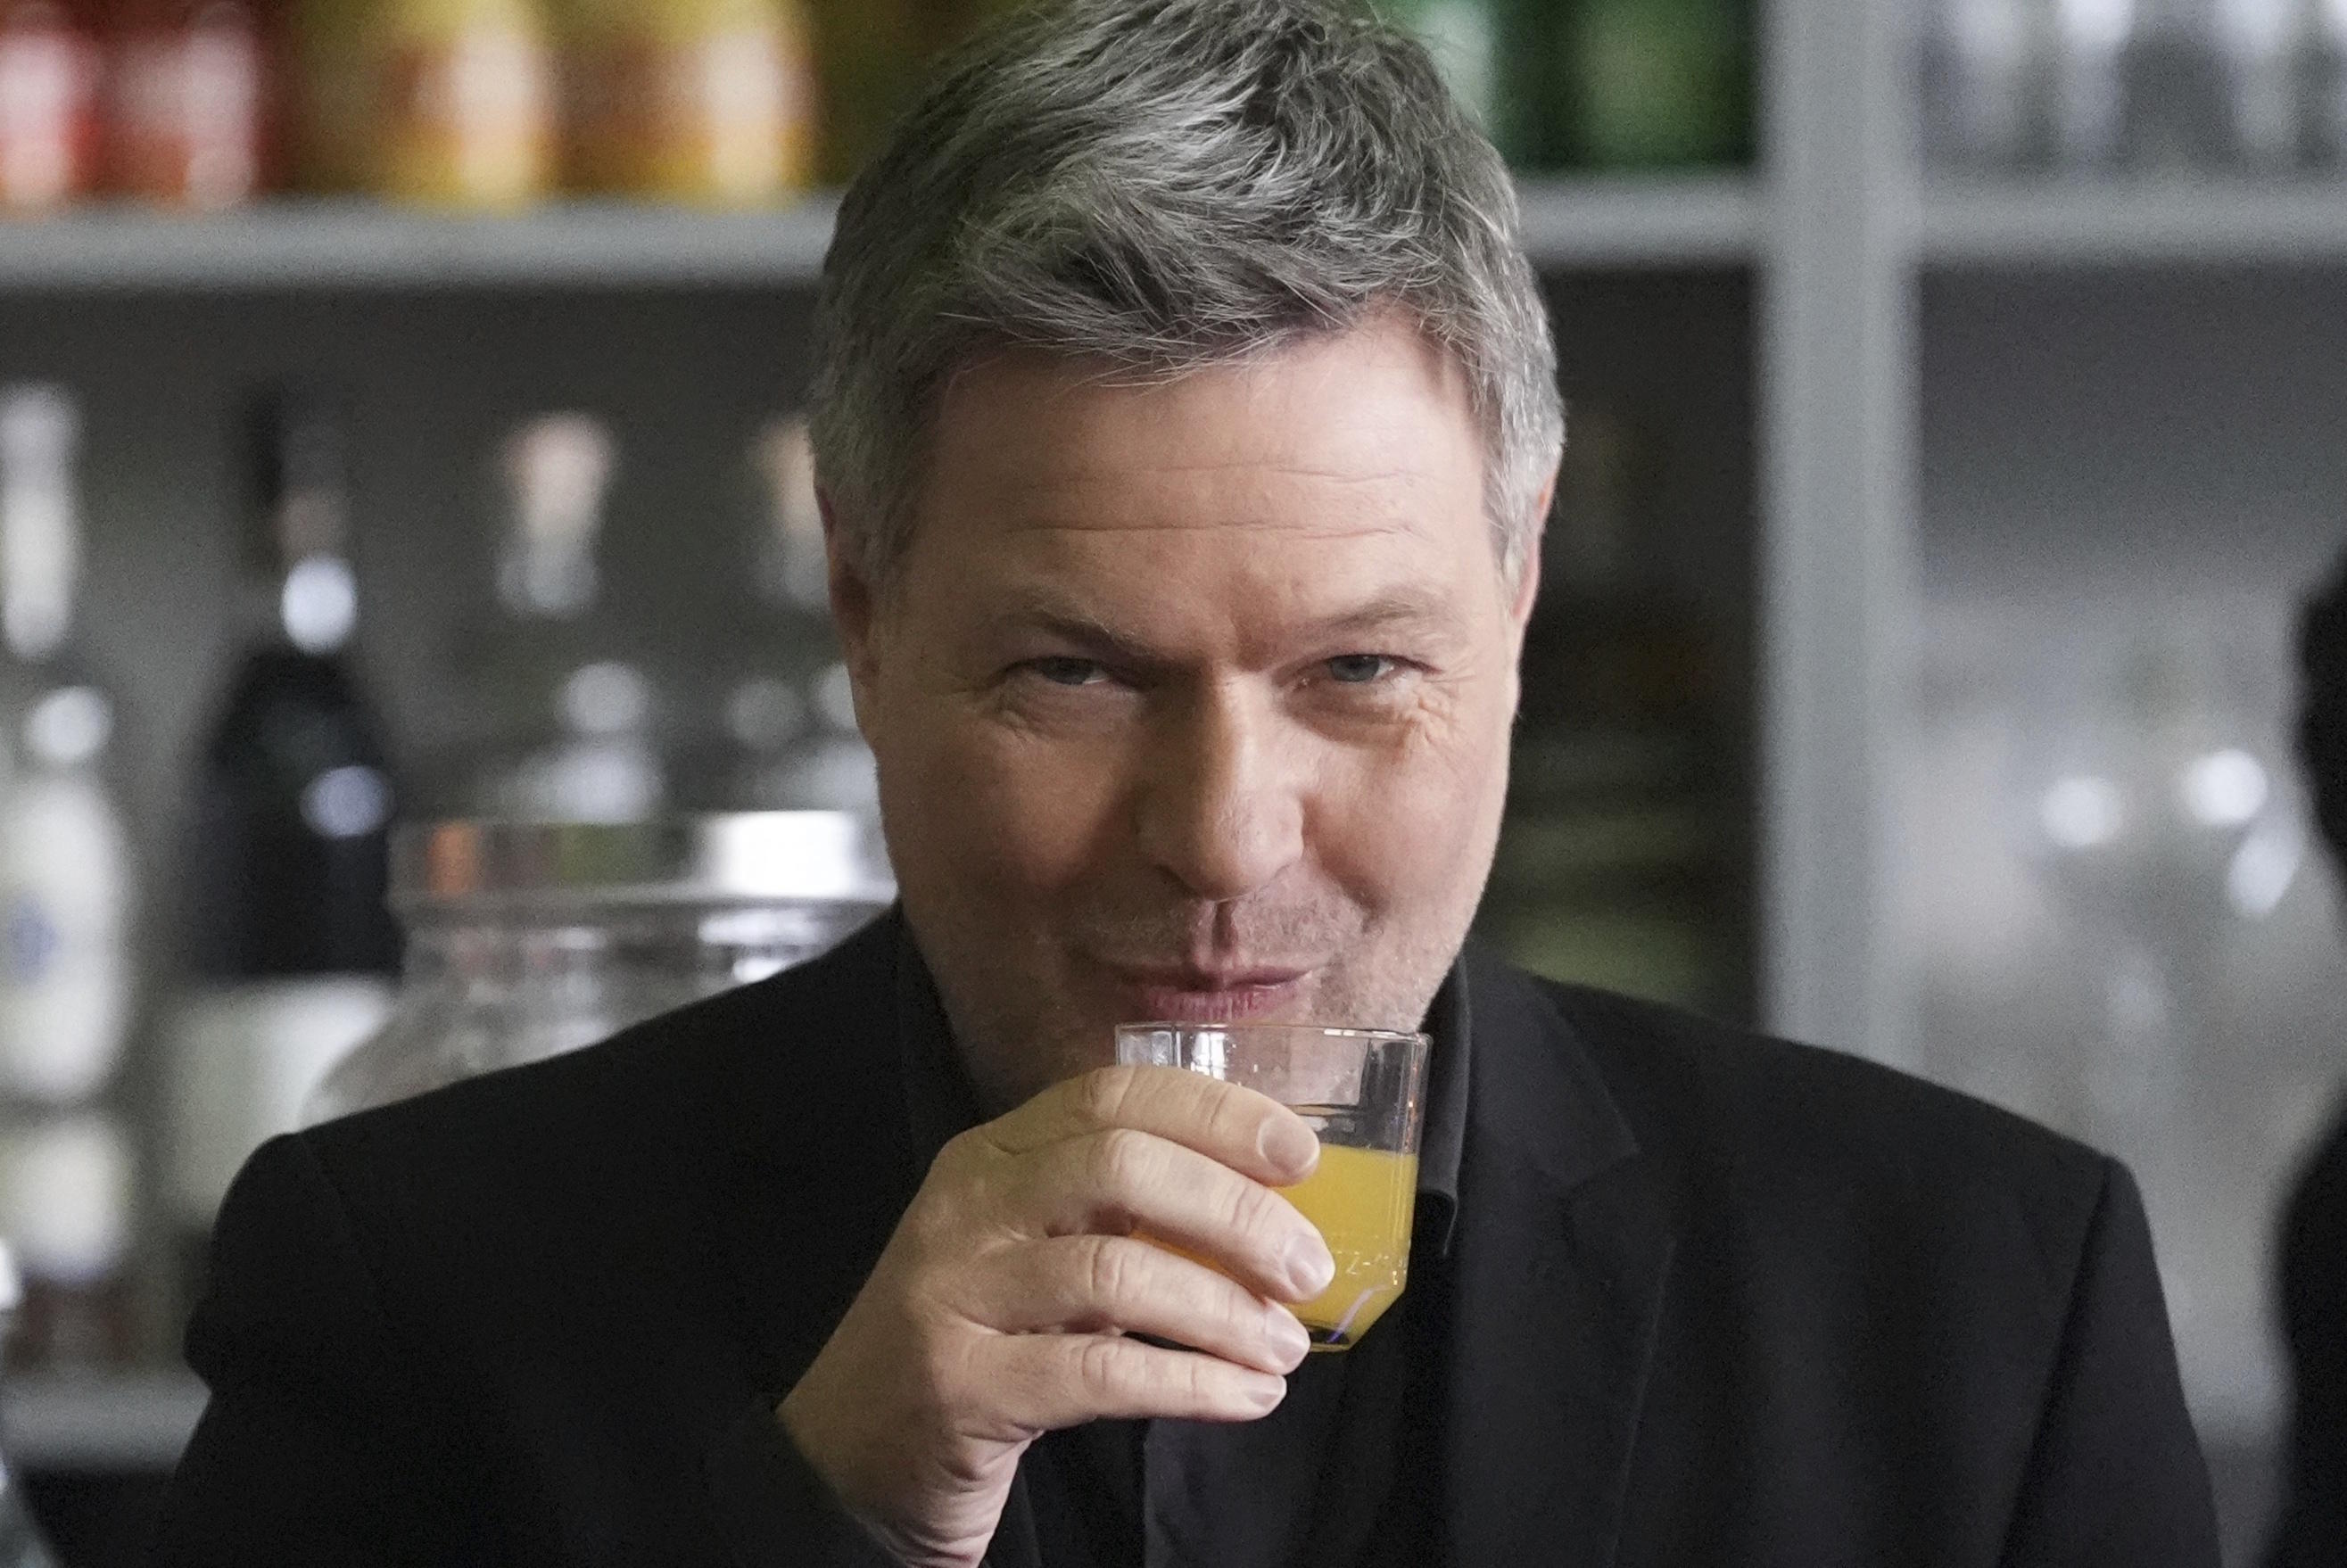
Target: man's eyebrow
1400, 611
1071, 623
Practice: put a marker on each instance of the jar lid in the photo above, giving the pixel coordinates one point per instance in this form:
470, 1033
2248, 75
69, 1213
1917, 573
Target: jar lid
731, 859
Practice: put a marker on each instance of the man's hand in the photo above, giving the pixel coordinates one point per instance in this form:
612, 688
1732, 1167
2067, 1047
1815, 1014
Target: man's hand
999, 1310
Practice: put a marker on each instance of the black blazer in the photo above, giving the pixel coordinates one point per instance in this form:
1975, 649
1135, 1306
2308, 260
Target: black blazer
1719, 1300
2311, 1529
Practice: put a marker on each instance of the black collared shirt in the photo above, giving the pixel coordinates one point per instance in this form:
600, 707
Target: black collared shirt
1339, 1476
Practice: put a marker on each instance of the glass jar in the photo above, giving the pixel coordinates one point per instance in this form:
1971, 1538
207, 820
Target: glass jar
528, 939
21, 1545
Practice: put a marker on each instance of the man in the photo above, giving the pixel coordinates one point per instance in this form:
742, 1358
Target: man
2311, 1528
1186, 417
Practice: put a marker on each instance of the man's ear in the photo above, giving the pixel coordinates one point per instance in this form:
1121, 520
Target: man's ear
854, 599
1528, 571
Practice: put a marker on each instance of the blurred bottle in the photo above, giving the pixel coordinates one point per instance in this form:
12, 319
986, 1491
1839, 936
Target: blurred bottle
2325, 108
66, 1196
2096, 44
2149, 799
465, 96
2147, 804
188, 106
944, 24
785, 735
565, 729
49, 120
21, 1544
289, 943
1982, 67
2176, 94
1463, 36
330, 94
66, 1169
1632, 83
1616, 864
868, 58
704, 101
2260, 48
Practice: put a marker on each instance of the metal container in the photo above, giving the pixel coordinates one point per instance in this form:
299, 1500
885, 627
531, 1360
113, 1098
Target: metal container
528, 939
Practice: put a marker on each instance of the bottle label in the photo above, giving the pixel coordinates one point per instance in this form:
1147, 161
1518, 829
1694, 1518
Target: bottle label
49, 107
723, 116
65, 970
187, 111
470, 119
64, 1197
240, 1061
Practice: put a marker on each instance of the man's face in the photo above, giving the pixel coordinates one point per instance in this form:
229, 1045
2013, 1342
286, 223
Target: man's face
1191, 700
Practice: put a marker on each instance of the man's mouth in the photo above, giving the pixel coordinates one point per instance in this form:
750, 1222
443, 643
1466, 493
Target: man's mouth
1186, 994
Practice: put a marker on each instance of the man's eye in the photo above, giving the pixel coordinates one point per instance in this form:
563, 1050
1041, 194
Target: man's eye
1067, 672
1358, 668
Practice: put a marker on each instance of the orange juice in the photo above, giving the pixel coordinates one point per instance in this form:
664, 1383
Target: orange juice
1362, 1200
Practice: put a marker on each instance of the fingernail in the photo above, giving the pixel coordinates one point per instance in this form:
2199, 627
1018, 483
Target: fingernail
1309, 1267
1288, 1144
1289, 1342
1269, 1392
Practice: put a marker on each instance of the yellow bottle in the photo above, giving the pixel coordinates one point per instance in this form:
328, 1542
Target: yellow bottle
464, 102
868, 54
704, 101
951, 21
333, 95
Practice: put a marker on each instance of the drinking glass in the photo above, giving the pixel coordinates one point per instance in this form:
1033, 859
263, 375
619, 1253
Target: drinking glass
1363, 1091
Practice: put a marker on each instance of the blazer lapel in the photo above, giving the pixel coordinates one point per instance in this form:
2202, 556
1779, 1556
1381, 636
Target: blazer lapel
1558, 1262
816, 1148
828, 1145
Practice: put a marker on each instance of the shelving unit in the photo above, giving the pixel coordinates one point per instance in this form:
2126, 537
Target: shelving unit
646, 311
1859, 273
128, 1423
1682, 221
351, 245
2133, 223
2067, 398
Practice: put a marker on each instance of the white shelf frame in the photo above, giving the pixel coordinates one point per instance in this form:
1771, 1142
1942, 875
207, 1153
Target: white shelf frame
1836, 234
346, 244
1695, 221
2057, 223
129, 1424
352, 244
1838, 524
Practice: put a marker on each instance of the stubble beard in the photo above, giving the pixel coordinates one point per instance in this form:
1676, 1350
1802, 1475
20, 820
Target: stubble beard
1018, 1014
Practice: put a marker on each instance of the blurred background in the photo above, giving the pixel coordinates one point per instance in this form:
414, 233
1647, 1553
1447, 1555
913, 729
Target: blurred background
398, 417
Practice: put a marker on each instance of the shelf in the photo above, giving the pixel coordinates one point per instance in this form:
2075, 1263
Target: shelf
1680, 220
2134, 222
339, 244
122, 1423
352, 244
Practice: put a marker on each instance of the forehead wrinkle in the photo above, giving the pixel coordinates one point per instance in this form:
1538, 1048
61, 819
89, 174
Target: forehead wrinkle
1410, 611
1126, 503
1369, 505
1286, 530
1076, 477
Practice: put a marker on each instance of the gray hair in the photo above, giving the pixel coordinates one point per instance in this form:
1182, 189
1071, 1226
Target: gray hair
1163, 186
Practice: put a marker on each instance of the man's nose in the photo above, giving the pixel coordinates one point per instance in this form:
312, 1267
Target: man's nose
1221, 802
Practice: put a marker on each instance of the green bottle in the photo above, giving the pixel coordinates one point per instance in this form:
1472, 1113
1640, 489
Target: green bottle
1463, 36
1632, 83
